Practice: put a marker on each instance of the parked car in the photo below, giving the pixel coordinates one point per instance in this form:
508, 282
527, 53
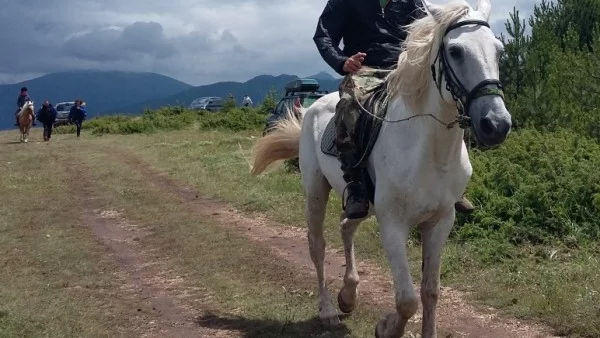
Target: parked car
211, 103
62, 112
301, 93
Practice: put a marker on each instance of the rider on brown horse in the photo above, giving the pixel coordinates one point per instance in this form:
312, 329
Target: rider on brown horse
23, 97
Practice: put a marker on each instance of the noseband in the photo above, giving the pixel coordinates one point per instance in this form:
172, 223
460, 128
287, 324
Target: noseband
460, 94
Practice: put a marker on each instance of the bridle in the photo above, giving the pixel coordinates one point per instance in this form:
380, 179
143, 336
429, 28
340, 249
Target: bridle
460, 94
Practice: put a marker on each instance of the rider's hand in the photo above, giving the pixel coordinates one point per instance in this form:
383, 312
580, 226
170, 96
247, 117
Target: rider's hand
354, 63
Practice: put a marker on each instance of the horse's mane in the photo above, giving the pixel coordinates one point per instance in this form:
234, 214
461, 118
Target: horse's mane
411, 78
28, 107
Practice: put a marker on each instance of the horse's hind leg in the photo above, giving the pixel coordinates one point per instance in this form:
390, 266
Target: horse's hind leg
316, 190
348, 294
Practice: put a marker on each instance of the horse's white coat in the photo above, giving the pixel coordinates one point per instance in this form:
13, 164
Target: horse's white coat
420, 167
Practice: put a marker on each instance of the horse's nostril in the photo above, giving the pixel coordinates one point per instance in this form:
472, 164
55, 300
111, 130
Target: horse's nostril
487, 126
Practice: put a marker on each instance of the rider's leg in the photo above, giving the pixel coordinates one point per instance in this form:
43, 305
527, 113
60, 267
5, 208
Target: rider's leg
78, 124
346, 116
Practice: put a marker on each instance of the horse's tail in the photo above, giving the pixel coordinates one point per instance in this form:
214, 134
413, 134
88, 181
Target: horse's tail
282, 143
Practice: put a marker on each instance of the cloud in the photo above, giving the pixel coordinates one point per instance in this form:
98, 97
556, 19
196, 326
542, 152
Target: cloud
197, 41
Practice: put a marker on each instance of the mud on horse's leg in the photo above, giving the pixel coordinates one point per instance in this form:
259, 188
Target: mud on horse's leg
349, 293
316, 195
434, 237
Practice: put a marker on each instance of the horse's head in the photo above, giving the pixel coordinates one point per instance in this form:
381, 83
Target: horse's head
465, 68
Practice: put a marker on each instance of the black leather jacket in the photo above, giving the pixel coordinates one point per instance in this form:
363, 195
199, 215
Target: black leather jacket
365, 27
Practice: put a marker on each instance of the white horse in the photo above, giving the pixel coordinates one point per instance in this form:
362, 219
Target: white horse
420, 166
25, 118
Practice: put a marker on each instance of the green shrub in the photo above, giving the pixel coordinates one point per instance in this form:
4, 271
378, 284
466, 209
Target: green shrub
172, 118
236, 119
539, 187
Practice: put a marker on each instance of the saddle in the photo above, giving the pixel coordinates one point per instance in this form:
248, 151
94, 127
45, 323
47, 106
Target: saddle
373, 112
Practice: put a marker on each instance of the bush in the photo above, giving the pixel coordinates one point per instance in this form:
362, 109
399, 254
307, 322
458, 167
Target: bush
236, 119
269, 102
538, 188
172, 118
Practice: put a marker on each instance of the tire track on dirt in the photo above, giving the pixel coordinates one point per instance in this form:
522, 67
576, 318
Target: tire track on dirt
455, 314
161, 311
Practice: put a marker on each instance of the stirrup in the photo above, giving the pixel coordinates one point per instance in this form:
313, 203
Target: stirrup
344, 197
344, 194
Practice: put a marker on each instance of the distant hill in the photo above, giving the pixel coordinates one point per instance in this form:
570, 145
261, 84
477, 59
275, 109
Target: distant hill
324, 76
110, 92
102, 90
257, 88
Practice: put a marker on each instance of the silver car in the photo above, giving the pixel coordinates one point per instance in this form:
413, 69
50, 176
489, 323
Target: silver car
62, 110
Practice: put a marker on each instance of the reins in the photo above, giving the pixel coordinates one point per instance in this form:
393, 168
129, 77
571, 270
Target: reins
460, 95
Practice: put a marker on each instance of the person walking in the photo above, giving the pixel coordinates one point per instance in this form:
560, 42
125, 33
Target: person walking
47, 116
77, 115
247, 101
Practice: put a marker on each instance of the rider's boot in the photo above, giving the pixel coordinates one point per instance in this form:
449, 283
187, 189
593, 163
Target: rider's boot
464, 206
357, 201
356, 205
16, 120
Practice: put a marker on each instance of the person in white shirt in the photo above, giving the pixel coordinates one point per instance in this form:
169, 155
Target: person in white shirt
247, 102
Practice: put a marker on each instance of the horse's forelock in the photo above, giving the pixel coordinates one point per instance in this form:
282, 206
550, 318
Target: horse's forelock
412, 76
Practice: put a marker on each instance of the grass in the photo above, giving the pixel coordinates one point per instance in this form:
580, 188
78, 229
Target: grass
66, 286
56, 280
243, 285
555, 283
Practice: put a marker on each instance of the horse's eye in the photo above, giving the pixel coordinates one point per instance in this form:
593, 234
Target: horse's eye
455, 52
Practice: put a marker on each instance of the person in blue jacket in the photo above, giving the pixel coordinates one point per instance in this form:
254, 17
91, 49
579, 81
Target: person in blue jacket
77, 115
47, 116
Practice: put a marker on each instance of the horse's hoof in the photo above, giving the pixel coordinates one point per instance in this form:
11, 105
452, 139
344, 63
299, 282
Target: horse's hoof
331, 321
345, 307
329, 317
386, 327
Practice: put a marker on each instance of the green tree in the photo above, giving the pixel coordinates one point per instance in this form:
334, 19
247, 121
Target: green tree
270, 101
513, 61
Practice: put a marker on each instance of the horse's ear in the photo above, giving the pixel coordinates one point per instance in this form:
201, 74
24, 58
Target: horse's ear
432, 9
484, 7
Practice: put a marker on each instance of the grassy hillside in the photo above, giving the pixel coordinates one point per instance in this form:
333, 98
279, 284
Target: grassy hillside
530, 248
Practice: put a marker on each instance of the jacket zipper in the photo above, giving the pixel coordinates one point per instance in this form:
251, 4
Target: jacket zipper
383, 6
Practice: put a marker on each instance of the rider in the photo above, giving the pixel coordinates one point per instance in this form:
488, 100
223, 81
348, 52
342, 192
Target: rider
372, 31
23, 97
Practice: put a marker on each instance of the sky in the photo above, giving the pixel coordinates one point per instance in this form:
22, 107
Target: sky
195, 41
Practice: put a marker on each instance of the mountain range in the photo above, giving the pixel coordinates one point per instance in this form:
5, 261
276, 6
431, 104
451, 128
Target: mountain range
111, 92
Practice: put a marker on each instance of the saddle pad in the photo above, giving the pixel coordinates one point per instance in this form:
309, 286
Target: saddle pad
328, 140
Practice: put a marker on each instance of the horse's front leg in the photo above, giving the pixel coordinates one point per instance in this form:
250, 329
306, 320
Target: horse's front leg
434, 237
394, 234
